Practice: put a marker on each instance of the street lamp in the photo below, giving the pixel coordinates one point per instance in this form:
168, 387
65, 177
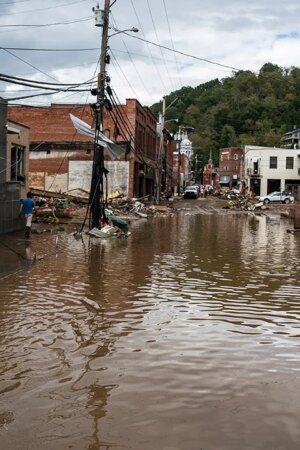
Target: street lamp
133, 30
172, 120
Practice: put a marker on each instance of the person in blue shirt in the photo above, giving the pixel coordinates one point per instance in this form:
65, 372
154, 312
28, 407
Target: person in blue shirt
26, 208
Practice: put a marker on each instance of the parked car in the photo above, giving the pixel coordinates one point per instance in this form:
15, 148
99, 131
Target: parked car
191, 192
277, 196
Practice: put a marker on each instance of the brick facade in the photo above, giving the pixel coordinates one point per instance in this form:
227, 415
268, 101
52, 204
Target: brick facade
54, 142
230, 166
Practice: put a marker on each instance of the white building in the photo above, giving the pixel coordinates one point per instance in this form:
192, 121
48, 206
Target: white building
186, 146
268, 169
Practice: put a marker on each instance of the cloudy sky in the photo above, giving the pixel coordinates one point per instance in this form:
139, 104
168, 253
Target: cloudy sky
234, 33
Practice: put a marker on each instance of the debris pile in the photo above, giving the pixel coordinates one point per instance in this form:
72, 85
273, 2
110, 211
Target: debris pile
138, 208
244, 203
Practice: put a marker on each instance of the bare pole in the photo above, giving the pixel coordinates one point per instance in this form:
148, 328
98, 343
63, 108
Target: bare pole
160, 150
179, 161
96, 193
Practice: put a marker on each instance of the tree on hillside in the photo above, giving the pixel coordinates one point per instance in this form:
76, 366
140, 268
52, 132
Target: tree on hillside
245, 108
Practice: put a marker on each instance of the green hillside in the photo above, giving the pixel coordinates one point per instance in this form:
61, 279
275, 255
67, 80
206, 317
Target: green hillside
246, 108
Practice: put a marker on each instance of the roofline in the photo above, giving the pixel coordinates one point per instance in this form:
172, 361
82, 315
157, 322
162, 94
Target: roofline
18, 123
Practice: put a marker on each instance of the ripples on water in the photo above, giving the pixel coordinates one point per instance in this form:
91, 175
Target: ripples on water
184, 336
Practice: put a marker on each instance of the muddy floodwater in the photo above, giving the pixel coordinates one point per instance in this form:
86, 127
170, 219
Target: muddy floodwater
185, 336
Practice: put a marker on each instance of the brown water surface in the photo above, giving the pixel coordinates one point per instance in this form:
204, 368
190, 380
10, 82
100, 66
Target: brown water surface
184, 336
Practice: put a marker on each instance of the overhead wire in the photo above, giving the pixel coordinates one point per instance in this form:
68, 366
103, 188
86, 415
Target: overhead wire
64, 87
123, 73
46, 88
137, 149
41, 9
148, 47
26, 49
12, 77
66, 154
13, 2
121, 120
172, 42
31, 65
183, 53
23, 27
162, 55
132, 61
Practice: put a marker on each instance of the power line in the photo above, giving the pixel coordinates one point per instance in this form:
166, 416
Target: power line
182, 53
128, 126
12, 3
46, 88
123, 73
40, 9
133, 63
29, 26
170, 33
90, 81
25, 49
148, 47
162, 55
31, 65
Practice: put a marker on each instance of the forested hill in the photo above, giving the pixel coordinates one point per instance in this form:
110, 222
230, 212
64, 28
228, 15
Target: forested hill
245, 108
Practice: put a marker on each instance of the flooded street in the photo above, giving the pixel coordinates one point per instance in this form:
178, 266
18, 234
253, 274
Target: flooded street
185, 336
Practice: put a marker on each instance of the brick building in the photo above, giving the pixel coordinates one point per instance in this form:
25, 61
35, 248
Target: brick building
53, 142
210, 174
135, 124
61, 158
230, 166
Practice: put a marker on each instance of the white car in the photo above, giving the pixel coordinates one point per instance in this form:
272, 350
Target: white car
191, 192
277, 196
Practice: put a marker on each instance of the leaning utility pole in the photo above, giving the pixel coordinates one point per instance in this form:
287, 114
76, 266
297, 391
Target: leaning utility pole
96, 192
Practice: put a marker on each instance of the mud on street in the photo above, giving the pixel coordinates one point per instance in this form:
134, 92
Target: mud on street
184, 335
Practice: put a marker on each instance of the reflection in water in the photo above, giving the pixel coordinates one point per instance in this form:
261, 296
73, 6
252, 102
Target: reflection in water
184, 336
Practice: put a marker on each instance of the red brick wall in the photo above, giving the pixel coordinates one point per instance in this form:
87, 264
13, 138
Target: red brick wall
52, 123
227, 164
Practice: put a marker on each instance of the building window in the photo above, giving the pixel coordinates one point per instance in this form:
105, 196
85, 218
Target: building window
235, 168
273, 162
17, 165
222, 158
235, 156
289, 162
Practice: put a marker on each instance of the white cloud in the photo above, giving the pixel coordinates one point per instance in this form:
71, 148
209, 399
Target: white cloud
235, 33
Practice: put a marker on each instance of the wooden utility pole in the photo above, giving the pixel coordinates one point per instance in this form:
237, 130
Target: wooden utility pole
96, 192
179, 162
160, 150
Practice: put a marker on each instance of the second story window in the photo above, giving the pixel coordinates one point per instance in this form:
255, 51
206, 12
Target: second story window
235, 156
289, 162
273, 162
